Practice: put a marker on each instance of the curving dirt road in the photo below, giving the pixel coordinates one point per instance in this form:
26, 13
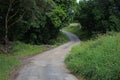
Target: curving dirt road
50, 64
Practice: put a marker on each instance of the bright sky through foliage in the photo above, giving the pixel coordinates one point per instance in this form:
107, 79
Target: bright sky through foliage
78, 1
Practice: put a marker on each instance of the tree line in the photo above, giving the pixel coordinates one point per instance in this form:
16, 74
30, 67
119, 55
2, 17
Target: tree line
33, 21
99, 16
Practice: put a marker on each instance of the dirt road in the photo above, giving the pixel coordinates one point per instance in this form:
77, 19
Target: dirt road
50, 64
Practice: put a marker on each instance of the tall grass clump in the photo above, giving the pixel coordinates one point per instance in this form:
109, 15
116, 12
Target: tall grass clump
97, 59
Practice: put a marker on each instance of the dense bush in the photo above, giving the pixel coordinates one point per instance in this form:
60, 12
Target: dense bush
48, 29
97, 60
99, 16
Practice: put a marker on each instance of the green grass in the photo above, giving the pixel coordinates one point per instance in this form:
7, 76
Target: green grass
11, 61
97, 59
75, 28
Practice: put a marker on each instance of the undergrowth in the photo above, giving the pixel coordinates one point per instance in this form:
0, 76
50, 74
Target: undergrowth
97, 59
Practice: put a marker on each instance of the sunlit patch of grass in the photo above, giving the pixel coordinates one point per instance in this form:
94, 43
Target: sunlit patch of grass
97, 59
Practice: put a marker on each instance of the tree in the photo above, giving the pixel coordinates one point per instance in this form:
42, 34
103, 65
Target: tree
8, 15
32, 21
67, 5
99, 16
18, 16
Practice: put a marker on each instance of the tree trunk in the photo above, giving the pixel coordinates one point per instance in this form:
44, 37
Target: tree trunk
6, 39
6, 27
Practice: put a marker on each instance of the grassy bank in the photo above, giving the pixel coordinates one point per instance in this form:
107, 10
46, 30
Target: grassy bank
11, 61
97, 59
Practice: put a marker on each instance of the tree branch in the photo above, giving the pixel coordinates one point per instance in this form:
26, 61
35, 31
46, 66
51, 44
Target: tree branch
17, 20
13, 15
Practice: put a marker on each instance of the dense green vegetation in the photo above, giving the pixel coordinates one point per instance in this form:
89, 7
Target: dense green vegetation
32, 21
21, 50
97, 59
99, 16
